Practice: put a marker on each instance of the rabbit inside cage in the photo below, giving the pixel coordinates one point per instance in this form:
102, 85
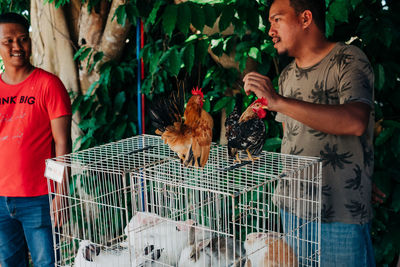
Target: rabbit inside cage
132, 203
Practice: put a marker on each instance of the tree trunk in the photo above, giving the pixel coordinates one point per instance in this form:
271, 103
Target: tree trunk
52, 48
55, 41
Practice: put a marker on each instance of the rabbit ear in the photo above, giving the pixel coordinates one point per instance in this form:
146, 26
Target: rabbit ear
192, 236
193, 254
145, 218
185, 226
203, 244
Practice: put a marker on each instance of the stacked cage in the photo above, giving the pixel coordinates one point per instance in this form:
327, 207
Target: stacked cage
132, 203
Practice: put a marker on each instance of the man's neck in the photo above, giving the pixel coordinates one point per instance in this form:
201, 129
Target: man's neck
13, 75
313, 52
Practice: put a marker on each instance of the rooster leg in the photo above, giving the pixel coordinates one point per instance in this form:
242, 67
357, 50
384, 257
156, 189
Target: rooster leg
181, 157
237, 160
250, 157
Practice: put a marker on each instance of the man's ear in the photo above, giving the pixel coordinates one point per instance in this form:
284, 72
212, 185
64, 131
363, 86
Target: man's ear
306, 18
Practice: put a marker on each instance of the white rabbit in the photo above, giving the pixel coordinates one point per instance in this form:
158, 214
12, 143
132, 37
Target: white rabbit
151, 257
268, 249
149, 229
90, 255
216, 251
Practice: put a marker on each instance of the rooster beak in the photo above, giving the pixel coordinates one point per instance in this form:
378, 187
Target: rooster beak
264, 107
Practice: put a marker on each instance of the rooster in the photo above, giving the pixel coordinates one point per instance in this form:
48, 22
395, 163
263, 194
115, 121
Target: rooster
190, 137
246, 132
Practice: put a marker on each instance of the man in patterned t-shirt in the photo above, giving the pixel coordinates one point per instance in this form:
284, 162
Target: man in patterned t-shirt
325, 104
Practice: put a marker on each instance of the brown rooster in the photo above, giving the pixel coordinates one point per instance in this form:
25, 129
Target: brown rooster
190, 137
246, 132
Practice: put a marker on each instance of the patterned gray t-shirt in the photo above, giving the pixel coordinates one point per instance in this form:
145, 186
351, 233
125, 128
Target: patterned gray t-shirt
344, 75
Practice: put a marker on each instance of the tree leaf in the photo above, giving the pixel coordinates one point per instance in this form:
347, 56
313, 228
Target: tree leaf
119, 101
82, 53
188, 57
230, 105
396, 198
217, 46
339, 10
184, 17
120, 12
253, 20
201, 50
226, 17
255, 54
198, 19
76, 103
272, 143
169, 18
174, 62
153, 64
379, 76
101, 116
96, 58
153, 14
221, 103
330, 25
132, 13
207, 105
355, 3
120, 130
209, 15
90, 90
87, 124
384, 136
391, 123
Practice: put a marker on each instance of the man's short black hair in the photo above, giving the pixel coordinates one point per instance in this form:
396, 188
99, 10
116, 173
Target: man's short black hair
317, 8
11, 17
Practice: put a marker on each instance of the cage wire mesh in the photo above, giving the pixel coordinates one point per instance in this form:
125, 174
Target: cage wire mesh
132, 203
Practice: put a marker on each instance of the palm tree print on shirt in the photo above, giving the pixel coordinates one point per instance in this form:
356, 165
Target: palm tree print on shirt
326, 190
292, 129
341, 59
300, 73
357, 209
295, 94
285, 73
368, 152
318, 134
327, 213
332, 157
294, 151
355, 183
321, 96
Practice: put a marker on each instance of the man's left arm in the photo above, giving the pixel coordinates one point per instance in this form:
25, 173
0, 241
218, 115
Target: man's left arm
61, 131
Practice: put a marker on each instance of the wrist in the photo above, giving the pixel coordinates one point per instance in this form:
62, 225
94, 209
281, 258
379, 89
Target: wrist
277, 103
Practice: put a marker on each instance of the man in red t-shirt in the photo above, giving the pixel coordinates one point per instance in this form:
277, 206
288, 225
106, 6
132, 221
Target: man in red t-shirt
35, 123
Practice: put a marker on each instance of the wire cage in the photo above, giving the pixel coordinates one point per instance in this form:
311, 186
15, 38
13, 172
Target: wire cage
132, 203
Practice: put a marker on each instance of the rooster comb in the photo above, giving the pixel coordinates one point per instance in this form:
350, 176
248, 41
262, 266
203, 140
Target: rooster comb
262, 100
197, 91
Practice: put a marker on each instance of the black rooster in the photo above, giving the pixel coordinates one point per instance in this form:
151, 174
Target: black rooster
246, 132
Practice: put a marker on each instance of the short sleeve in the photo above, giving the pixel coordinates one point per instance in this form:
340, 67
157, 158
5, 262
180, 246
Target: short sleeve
57, 99
356, 79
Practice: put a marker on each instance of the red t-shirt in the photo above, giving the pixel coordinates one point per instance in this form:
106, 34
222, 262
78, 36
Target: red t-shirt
26, 140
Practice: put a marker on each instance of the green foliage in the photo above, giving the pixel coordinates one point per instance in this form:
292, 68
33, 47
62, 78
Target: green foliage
18, 6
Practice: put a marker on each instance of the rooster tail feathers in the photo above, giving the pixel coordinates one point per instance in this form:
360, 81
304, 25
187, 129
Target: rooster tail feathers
167, 109
205, 153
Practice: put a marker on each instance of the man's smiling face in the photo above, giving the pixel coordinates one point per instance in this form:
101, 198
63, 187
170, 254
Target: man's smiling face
15, 45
